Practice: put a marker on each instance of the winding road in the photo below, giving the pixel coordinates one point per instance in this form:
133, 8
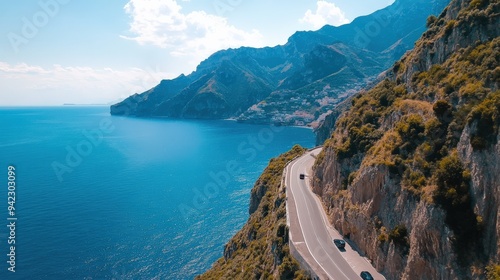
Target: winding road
311, 235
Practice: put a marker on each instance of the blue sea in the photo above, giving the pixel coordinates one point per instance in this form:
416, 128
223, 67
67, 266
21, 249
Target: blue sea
105, 197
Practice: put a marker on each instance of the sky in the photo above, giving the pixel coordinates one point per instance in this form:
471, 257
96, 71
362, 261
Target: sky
99, 52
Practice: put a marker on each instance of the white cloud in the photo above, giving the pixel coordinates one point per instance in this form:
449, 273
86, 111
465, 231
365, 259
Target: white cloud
35, 85
326, 13
196, 34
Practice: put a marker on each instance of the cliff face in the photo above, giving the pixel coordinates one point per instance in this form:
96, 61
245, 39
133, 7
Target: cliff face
485, 189
462, 27
260, 249
375, 204
411, 172
292, 84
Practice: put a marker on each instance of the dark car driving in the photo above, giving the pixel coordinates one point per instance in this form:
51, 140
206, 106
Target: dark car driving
365, 275
301, 176
339, 243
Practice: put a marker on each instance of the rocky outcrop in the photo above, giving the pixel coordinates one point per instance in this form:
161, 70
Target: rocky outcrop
411, 172
456, 32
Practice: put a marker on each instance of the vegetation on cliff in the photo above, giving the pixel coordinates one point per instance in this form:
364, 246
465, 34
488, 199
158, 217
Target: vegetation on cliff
411, 124
493, 272
260, 249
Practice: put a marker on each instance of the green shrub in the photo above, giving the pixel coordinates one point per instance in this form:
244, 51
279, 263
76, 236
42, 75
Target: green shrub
487, 117
441, 107
363, 122
411, 127
431, 20
473, 90
383, 237
360, 139
449, 26
474, 4
452, 193
493, 272
399, 235
450, 179
288, 268
437, 73
414, 179
371, 117
400, 91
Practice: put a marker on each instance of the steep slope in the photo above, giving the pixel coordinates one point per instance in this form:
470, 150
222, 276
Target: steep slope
411, 172
260, 249
224, 92
316, 69
222, 86
138, 104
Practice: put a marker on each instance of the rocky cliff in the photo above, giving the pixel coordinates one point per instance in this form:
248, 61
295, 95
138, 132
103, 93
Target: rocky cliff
411, 172
293, 84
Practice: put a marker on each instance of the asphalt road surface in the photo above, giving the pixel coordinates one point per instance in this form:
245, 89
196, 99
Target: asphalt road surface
311, 233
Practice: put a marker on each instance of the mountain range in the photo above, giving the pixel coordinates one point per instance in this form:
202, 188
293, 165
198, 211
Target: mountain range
297, 83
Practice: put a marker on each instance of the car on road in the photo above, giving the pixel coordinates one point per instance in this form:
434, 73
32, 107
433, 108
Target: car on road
339, 243
302, 176
365, 275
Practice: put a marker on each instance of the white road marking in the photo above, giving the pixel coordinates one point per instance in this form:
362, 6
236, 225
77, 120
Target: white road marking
313, 229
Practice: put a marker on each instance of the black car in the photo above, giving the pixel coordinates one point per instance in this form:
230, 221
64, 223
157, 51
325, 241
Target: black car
339, 243
365, 275
301, 176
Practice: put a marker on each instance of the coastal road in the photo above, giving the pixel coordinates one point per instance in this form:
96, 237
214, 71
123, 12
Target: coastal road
311, 234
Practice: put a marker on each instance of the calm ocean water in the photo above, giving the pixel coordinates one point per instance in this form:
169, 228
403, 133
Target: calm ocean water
101, 197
